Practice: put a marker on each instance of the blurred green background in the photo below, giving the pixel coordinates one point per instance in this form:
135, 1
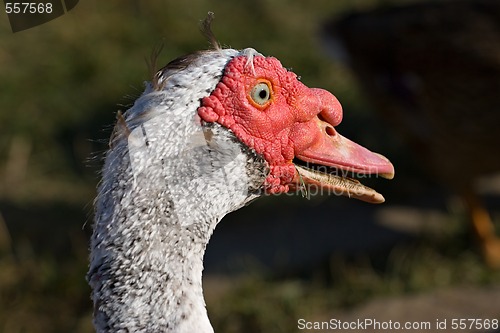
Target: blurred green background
61, 84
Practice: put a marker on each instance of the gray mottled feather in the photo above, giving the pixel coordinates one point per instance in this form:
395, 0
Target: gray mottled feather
167, 181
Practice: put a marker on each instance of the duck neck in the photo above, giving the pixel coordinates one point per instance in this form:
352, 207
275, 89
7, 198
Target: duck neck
146, 265
167, 181
151, 230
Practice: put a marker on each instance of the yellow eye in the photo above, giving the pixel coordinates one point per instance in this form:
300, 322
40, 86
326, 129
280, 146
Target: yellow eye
261, 93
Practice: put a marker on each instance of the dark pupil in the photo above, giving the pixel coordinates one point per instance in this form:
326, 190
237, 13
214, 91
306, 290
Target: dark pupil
263, 94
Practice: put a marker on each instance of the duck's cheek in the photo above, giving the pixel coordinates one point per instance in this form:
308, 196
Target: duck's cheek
303, 136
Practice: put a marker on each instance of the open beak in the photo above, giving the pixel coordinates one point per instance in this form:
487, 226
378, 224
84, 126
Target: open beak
333, 162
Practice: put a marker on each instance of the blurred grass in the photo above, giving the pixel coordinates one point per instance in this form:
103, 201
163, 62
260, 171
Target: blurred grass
60, 86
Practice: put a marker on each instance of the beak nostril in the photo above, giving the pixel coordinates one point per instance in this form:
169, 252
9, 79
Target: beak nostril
330, 131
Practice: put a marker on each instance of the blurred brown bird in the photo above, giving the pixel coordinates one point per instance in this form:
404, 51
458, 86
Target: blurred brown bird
433, 69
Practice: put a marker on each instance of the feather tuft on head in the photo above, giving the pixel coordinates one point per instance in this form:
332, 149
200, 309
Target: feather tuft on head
206, 30
152, 63
250, 54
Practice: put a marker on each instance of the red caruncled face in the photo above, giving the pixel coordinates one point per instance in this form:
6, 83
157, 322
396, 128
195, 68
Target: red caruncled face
275, 114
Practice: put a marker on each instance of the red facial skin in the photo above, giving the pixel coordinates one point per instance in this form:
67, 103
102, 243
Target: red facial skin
285, 127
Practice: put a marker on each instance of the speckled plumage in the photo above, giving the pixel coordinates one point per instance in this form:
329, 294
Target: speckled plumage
167, 181
213, 131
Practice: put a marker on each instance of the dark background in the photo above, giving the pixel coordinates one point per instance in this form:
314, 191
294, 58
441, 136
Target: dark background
281, 258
